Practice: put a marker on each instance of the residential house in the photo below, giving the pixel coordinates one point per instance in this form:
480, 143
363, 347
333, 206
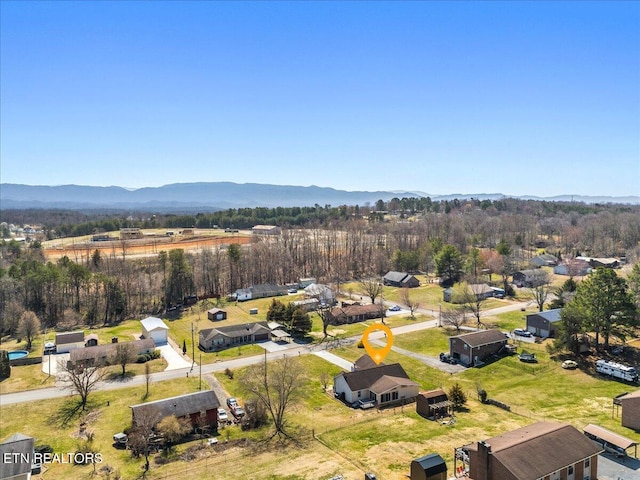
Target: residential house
216, 314
67, 341
573, 267
543, 324
595, 262
264, 290
433, 404
105, 353
472, 349
266, 230
354, 313
308, 304
216, 339
384, 384
524, 278
200, 407
156, 329
630, 403
130, 233
544, 260
480, 290
543, 450
305, 282
400, 279
321, 292
17, 456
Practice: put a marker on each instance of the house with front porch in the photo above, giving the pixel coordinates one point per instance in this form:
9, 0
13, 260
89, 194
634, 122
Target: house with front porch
216, 339
384, 384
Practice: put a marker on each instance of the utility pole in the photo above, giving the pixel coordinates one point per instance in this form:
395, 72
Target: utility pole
200, 385
193, 348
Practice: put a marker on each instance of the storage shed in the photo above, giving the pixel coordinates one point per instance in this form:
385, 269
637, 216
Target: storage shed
155, 329
216, 314
429, 467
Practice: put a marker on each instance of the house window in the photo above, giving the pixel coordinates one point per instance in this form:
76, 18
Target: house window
385, 397
359, 393
570, 473
587, 469
394, 396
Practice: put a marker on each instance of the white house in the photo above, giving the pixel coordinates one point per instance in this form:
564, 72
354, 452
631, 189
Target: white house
155, 329
323, 293
384, 384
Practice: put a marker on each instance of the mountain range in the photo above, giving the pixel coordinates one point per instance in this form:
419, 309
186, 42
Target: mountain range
223, 195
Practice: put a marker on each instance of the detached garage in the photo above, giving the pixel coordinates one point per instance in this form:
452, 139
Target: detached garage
155, 329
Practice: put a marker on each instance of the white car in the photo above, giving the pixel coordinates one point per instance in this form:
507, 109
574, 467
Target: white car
569, 364
522, 333
395, 308
222, 415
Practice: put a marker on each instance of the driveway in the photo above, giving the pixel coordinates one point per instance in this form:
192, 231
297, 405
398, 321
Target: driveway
426, 359
270, 346
50, 362
611, 468
174, 359
336, 360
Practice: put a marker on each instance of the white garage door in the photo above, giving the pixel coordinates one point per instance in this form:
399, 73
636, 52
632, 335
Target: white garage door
159, 336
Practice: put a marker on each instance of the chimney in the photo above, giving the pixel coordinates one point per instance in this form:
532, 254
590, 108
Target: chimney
483, 461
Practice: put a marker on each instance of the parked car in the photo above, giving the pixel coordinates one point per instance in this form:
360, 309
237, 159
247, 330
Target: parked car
222, 415
446, 358
528, 357
292, 290
569, 364
395, 308
521, 332
231, 402
366, 404
237, 411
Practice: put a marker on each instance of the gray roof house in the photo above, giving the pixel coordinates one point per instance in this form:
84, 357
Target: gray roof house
196, 405
400, 279
472, 349
67, 341
216, 339
384, 384
544, 260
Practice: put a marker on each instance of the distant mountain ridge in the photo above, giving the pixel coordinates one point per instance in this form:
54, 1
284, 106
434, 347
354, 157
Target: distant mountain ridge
223, 195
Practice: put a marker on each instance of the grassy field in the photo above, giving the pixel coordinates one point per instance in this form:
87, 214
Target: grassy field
347, 441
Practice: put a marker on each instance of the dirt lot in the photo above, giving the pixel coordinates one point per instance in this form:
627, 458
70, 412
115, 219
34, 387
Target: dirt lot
138, 247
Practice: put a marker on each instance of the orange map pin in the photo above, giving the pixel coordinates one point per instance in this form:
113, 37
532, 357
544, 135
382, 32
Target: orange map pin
377, 354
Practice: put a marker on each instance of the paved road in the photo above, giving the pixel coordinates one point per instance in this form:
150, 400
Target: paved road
294, 349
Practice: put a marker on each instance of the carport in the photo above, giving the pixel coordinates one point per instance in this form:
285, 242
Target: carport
280, 336
608, 438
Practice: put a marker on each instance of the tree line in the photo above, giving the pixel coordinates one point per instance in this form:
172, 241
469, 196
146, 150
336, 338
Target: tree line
475, 239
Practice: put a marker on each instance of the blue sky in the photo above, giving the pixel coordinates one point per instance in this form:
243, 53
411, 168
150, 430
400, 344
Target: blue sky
531, 98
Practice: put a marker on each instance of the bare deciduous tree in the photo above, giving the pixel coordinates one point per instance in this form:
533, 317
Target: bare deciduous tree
276, 386
471, 298
81, 378
173, 429
29, 327
371, 287
454, 317
141, 435
124, 353
540, 287
412, 305
147, 378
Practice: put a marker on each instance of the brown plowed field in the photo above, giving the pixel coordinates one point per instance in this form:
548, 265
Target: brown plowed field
140, 247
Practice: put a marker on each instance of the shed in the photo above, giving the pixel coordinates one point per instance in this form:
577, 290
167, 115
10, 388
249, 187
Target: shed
216, 314
433, 404
630, 409
91, 340
155, 329
429, 467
